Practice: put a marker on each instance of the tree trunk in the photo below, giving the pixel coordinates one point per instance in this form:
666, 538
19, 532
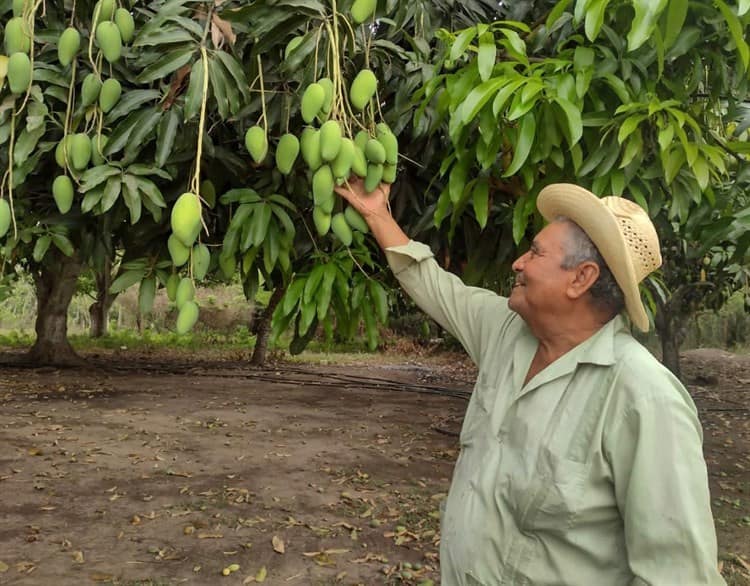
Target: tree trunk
670, 348
99, 310
55, 285
263, 328
669, 325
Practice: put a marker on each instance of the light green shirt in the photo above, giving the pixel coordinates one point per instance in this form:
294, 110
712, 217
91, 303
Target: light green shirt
591, 474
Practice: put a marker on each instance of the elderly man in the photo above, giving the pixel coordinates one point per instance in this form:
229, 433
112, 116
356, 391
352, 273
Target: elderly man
581, 460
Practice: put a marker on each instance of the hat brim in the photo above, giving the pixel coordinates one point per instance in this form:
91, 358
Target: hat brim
600, 225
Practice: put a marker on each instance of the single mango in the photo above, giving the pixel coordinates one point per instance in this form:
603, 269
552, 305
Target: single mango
256, 143
109, 40
200, 261
312, 102
330, 140
286, 153
17, 37
177, 251
68, 45
79, 154
19, 73
310, 148
322, 220
322, 187
62, 191
109, 95
90, 88
363, 89
341, 228
186, 218
185, 292
5, 217
187, 317
363, 9
125, 24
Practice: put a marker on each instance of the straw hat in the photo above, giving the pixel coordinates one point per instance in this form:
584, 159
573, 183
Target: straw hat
620, 229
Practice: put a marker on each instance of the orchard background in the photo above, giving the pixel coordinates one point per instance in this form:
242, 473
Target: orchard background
113, 112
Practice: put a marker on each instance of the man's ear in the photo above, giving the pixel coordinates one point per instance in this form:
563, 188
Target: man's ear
584, 276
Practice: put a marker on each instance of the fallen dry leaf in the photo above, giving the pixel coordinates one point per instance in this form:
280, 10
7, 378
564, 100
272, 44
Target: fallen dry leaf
278, 544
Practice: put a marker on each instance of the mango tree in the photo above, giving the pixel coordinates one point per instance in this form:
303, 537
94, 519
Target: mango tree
637, 98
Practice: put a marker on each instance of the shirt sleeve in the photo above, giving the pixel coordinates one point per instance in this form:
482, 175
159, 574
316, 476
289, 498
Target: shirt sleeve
661, 487
460, 309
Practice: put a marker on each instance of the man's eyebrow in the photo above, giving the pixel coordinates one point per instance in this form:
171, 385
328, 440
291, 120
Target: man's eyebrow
534, 245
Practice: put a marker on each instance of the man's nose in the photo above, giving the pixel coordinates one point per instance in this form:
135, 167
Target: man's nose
517, 265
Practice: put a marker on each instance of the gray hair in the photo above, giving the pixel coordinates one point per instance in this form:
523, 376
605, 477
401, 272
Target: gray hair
606, 294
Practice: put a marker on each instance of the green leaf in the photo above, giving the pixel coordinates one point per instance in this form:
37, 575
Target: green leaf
629, 126
478, 97
505, 92
379, 298
96, 176
111, 193
313, 282
742, 7
457, 180
162, 35
126, 280
516, 42
130, 102
139, 169
480, 201
595, 18
63, 244
521, 212
144, 129
40, 248
131, 197
486, 57
219, 85
700, 169
165, 136
261, 220
325, 290
92, 198
556, 13
119, 137
194, 94
676, 14
235, 70
646, 15
462, 42
672, 162
526, 135
152, 192
737, 30
293, 295
165, 65
573, 127
26, 143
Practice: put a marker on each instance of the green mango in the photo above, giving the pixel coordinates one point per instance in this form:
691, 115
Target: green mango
330, 140
322, 187
322, 220
312, 102
201, 261
362, 89
389, 173
187, 317
390, 144
286, 153
310, 148
79, 154
90, 88
375, 151
256, 143
359, 162
5, 217
62, 191
68, 45
97, 147
125, 24
172, 283
355, 220
374, 177
208, 192
327, 86
109, 40
342, 164
185, 292
177, 251
186, 218
362, 10
109, 95
341, 228
17, 37
19, 73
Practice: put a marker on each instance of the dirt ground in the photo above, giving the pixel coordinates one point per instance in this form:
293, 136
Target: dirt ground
157, 470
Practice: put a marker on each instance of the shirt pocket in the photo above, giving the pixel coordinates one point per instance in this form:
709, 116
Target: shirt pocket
476, 416
555, 492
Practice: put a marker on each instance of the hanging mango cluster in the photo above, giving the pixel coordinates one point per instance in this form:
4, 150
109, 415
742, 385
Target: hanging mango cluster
342, 138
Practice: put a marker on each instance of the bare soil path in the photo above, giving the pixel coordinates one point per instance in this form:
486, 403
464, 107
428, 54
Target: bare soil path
160, 470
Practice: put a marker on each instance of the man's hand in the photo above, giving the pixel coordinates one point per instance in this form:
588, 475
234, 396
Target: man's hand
375, 210
367, 204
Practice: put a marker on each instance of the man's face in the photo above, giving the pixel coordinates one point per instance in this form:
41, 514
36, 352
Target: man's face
541, 282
